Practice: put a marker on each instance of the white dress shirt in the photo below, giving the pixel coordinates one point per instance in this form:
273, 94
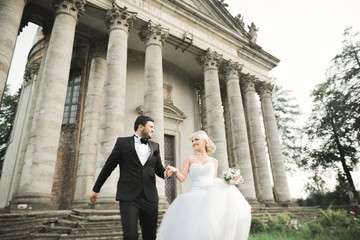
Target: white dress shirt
142, 150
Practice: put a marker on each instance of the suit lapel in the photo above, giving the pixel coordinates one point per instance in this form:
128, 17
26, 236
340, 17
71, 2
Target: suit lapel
151, 145
132, 146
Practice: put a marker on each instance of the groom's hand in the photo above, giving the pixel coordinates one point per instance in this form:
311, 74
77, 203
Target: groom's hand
168, 171
93, 196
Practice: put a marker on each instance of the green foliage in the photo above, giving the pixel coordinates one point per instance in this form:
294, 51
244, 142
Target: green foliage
315, 228
7, 117
281, 222
333, 225
287, 111
333, 126
257, 226
332, 219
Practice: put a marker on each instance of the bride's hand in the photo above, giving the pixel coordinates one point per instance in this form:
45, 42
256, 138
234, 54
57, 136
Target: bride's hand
172, 169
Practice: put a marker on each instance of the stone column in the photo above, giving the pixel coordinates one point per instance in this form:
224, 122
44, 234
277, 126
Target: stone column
257, 145
11, 12
90, 126
281, 188
30, 119
38, 171
154, 37
10, 178
228, 129
214, 109
119, 22
239, 132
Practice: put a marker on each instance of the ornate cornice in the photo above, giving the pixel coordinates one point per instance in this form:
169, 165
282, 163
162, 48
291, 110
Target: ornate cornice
75, 8
121, 18
209, 60
154, 34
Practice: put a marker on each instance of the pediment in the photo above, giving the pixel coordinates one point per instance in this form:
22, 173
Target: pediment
171, 113
216, 11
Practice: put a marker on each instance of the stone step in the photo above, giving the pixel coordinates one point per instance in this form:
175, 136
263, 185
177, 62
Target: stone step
101, 224
14, 235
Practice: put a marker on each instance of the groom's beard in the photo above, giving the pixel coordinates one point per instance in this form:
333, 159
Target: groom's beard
145, 134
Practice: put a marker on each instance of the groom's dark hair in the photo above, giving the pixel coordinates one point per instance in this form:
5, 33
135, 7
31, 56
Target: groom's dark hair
142, 120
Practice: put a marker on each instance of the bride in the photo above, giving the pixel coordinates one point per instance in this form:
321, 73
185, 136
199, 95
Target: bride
212, 209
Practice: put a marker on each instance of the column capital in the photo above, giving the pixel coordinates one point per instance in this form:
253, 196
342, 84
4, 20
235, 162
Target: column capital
75, 8
264, 89
121, 18
154, 34
232, 69
248, 81
209, 60
31, 71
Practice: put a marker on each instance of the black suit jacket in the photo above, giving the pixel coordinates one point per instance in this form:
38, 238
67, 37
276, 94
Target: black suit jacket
134, 177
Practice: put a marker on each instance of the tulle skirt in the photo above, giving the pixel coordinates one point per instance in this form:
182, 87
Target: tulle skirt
216, 213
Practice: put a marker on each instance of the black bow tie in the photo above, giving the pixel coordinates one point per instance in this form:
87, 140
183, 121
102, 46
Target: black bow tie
144, 141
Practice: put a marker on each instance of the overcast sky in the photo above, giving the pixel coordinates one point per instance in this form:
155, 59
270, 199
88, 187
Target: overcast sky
303, 34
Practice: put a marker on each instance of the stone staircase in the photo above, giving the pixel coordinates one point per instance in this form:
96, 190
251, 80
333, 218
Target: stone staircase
100, 224
300, 214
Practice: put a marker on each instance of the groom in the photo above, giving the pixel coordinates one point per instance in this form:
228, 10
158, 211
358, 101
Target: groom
139, 161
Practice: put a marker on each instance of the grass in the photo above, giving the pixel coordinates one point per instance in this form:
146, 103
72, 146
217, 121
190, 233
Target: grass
274, 235
333, 225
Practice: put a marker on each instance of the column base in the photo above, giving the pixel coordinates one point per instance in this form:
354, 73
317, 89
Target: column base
286, 204
255, 203
269, 203
33, 202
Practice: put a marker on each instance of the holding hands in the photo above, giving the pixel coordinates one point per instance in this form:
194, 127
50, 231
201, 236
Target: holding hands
170, 170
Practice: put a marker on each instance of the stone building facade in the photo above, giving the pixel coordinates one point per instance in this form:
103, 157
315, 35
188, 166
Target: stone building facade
97, 64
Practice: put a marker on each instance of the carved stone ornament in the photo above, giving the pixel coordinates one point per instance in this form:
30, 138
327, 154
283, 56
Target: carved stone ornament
264, 89
209, 59
31, 71
154, 34
118, 17
232, 69
248, 82
253, 32
75, 8
171, 113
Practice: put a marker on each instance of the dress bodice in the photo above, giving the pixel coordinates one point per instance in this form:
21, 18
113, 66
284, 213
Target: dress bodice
202, 175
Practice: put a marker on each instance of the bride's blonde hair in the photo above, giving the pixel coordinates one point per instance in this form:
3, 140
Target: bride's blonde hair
209, 146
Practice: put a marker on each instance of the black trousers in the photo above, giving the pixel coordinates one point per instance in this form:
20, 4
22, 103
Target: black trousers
139, 210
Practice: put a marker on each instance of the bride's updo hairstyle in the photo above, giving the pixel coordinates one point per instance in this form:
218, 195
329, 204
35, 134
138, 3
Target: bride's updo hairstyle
209, 146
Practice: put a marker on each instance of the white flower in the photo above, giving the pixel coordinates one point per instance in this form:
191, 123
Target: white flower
232, 176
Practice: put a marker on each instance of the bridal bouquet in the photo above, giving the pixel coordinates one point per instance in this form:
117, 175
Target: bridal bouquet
232, 176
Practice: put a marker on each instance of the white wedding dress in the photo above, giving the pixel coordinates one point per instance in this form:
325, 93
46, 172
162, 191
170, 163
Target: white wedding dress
211, 210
